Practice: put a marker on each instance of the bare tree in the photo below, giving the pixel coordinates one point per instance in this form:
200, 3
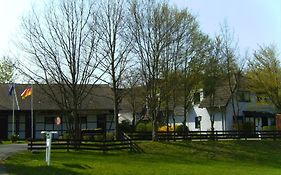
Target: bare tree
114, 48
229, 51
134, 93
213, 77
152, 25
61, 48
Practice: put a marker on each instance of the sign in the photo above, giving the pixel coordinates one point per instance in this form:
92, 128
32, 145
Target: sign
57, 120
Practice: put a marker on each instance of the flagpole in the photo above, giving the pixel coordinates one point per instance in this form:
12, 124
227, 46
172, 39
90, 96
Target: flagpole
13, 118
32, 135
15, 93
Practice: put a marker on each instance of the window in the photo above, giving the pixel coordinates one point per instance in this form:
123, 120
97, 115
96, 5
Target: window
243, 96
49, 120
83, 120
198, 121
263, 99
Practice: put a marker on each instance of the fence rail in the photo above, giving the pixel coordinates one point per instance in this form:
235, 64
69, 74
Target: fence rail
125, 142
106, 145
207, 135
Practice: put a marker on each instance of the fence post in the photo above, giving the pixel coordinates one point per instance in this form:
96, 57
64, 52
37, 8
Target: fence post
131, 145
31, 144
67, 144
217, 135
104, 147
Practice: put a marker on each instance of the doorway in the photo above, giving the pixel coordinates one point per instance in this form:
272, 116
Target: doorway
3, 127
101, 122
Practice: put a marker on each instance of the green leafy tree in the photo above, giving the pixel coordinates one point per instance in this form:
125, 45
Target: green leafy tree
265, 74
6, 70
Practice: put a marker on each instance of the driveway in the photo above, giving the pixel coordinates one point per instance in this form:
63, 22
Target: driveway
7, 150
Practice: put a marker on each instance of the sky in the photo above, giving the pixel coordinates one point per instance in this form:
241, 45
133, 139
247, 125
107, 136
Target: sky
254, 22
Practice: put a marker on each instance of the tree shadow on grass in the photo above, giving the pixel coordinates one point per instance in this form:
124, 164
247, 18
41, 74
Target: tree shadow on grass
82, 167
263, 153
19, 169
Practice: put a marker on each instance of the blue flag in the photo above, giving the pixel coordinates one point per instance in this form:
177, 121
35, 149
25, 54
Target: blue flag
10, 93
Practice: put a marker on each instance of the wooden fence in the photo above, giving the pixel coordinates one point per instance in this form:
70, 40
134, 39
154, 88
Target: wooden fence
104, 145
124, 143
207, 135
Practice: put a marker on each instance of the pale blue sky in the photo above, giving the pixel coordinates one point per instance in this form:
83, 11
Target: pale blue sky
253, 21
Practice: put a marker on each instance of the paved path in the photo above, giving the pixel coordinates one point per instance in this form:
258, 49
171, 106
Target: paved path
7, 150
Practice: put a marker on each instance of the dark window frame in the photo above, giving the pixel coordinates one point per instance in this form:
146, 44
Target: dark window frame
198, 122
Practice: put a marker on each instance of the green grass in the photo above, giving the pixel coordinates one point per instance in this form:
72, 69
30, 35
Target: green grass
179, 158
10, 142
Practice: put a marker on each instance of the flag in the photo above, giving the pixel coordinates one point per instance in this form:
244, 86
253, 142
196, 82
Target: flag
10, 93
27, 92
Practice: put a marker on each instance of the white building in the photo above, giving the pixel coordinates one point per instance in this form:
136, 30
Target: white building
248, 106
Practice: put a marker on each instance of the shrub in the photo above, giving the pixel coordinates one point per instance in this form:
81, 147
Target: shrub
164, 128
66, 136
269, 128
181, 128
144, 127
125, 126
14, 138
110, 136
247, 126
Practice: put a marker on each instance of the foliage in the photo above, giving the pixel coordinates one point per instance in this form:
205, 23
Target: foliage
14, 138
246, 126
144, 127
179, 158
264, 74
125, 126
181, 129
164, 128
6, 70
269, 128
66, 135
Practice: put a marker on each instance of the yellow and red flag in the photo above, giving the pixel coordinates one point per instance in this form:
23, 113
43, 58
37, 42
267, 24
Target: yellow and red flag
27, 92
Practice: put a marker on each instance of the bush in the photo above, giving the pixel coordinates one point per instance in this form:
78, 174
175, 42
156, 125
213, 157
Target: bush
181, 128
125, 126
144, 127
247, 126
269, 128
110, 136
164, 128
14, 138
66, 136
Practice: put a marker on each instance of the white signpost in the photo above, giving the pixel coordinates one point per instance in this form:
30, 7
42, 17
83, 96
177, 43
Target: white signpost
49, 135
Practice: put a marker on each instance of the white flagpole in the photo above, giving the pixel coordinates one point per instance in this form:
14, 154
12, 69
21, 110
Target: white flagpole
15, 93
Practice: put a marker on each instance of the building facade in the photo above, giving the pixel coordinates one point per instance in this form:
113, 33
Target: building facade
97, 112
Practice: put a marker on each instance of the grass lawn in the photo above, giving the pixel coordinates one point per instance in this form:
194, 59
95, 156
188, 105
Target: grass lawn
10, 142
179, 158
